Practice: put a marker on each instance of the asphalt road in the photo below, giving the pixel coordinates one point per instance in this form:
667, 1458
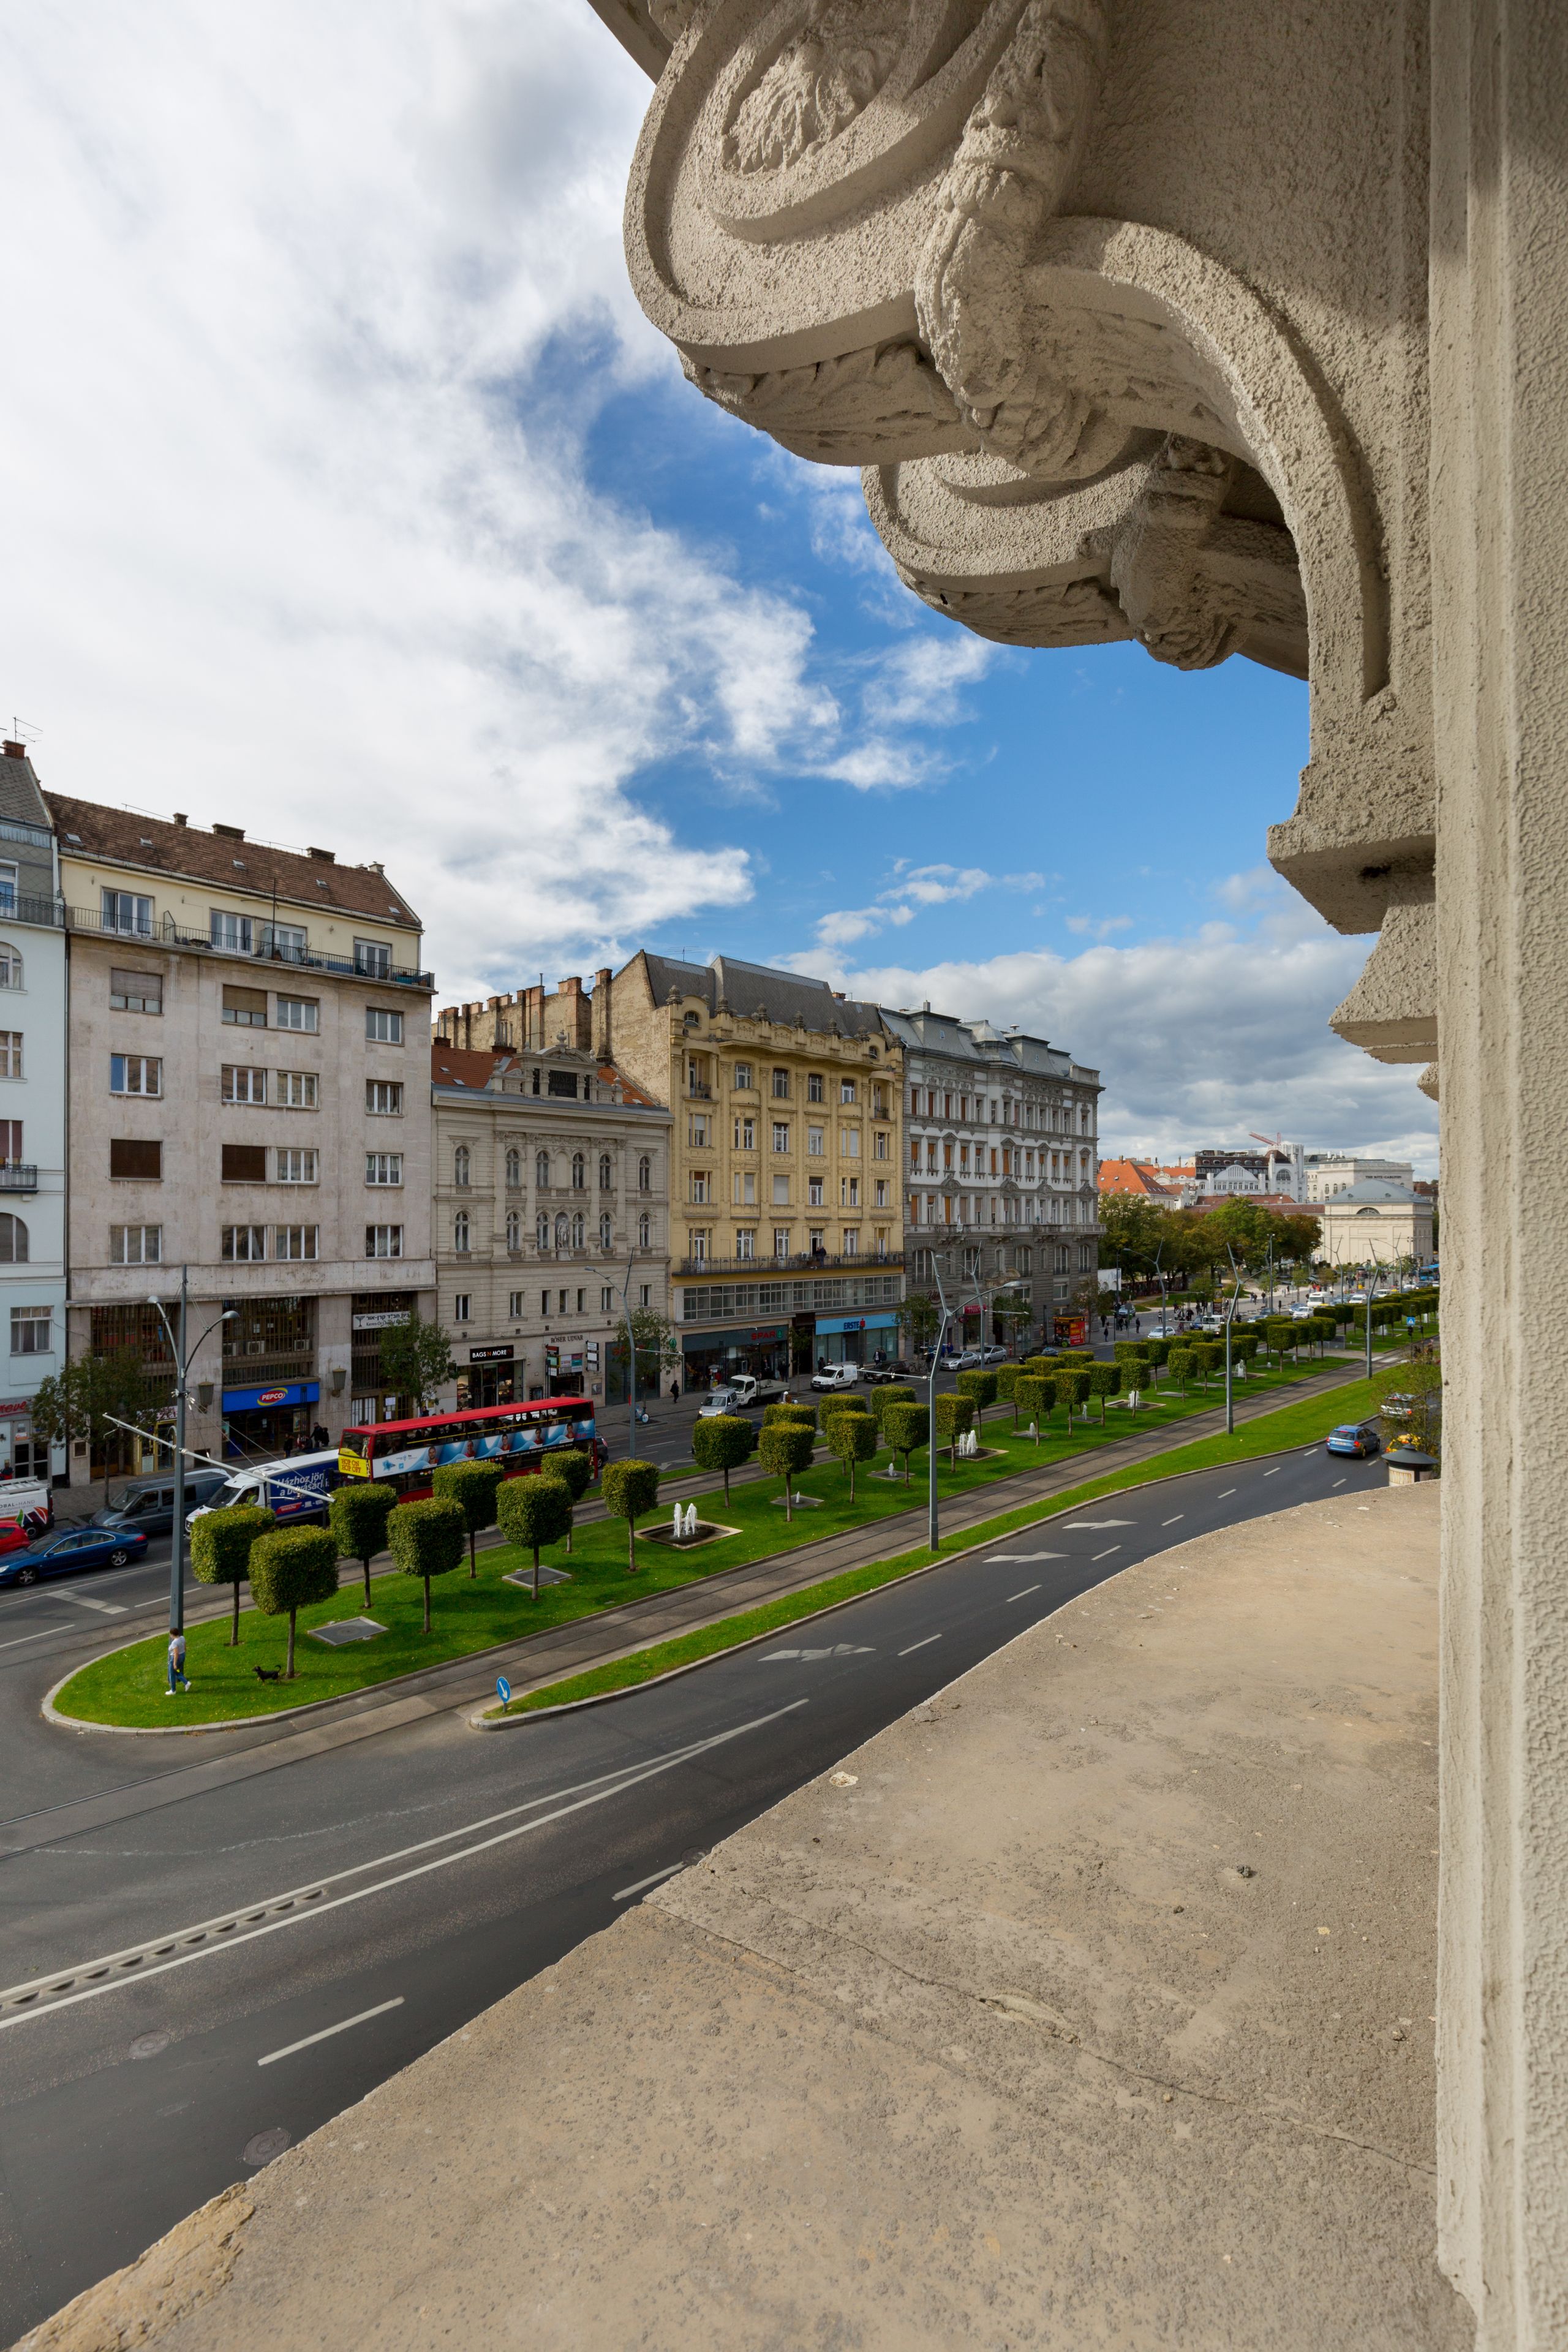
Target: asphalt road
434, 1870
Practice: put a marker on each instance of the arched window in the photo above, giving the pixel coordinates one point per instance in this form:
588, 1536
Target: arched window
607, 1172
579, 1230
13, 1242
644, 1233
514, 1170
579, 1171
645, 1174
541, 1232
541, 1170
460, 1233
562, 1231
460, 1164
606, 1230
10, 966
513, 1230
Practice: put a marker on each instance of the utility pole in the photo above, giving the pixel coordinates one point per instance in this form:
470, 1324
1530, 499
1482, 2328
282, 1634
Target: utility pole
183, 1355
1230, 1317
933, 1530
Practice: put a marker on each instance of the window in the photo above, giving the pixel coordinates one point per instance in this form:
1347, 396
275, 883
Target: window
135, 1073
849, 1142
541, 1170
384, 1240
124, 911
780, 1241
697, 1131
285, 941
743, 1188
544, 1302
372, 959
461, 1163
1025, 1260
29, 1331
295, 1241
607, 1231
645, 1174
815, 1089
781, 1086
244, 1163
230, 931
514, 1172
296, 1166
10, 1053
781, 1135
297, 1090
813, 1192
135, 1244
461, 1302
745, 1241
698, 1184
384, 1167
579, 1230
7, 887
849, 1191
241, 1083
606, 1173
13, 1241
816, 1143
564, 1083
845, 1090
582, 1295
460, 1233
698, 1248
245, 1008
382, 1027
541, 1232
130, 1155
815, 1241
244, 1245
606, 1299
880, 1200
851, 1242
781, 1191
10, 967
644, 1233
742, 1078
579, 1172
746, 1135
879, 1102
514, 1305
301, 1013
133, 991
647, 1298
880, 1144
513, 1230
970, 1262
384, 1099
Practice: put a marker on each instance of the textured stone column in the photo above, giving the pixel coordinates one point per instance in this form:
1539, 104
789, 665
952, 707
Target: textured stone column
1500, 525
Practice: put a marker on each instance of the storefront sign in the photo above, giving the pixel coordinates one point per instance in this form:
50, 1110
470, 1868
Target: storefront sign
491, 1355
12, 1405
248, 1400
829, 1323
381, 1320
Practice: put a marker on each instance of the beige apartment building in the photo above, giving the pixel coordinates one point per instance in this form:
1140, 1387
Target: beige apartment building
786, 1211
242, 1103
550, 1211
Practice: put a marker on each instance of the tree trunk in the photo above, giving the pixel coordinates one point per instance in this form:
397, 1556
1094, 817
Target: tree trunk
426, 1605
789, 1508
726, 1486
536, 1571
473, 1571
288, 1671
366, 1564
631, 1546
852, 1482
234, 1637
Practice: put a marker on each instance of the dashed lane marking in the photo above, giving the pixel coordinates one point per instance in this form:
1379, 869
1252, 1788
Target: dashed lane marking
1024, 1595
1106, 1554
920, 1645
638, 1886
327, 2032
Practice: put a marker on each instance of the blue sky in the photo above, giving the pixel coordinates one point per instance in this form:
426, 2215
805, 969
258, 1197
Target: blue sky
358, 503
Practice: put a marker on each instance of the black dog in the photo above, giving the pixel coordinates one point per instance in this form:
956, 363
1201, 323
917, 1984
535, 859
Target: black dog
268, 1674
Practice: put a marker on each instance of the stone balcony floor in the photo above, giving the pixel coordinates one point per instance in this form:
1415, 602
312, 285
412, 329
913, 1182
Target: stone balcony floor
1096, 2012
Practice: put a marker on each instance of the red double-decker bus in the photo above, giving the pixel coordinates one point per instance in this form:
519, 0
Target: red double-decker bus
518, 1436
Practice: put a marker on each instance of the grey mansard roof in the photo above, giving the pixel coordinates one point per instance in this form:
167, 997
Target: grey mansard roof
758, 991
944, 1036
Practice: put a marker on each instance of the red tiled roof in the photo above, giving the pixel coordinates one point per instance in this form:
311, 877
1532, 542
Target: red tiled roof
1138, 1176
458, 1065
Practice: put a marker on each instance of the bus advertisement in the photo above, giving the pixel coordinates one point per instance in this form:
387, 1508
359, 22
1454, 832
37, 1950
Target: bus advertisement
518, 1436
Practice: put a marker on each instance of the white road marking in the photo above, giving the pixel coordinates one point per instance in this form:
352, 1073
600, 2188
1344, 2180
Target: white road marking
920, 1645
327, 2032
1025, 1594
652, 1879
1171, 1523
83, 1600
1228, 1491
1274, 1473
1023, 1558
1097, 1524
1106, 1554
38, 1636
606, 1784
1338, 1482
834, 1649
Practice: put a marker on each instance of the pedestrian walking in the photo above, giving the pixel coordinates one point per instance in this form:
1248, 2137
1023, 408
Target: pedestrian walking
177, 1664
674, 1392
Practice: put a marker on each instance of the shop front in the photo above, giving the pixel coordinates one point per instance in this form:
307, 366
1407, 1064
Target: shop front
710, 1358
259, 1423
856, 1339
22, 1455
488, 1378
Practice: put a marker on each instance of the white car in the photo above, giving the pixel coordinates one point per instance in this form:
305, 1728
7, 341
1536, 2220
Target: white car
835, 1376
717, 1401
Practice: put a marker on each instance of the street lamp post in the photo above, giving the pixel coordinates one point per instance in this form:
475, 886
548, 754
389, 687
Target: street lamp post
597, 1274
934, 1531
182, 1380
1230, 1317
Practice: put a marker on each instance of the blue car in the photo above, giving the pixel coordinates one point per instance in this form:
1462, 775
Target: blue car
1358, 1437
69, 1548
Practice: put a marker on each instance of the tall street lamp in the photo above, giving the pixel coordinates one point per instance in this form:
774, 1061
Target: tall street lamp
933, 1530
631, 1349
182, 1377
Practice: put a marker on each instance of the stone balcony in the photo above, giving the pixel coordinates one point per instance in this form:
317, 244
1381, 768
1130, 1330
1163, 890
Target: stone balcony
1095, 2013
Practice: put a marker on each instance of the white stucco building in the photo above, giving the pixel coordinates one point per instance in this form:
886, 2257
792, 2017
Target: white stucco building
32, 1111
1377, 1223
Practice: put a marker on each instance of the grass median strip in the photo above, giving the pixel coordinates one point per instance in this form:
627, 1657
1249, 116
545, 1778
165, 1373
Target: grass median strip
127, 1688
1272, 1433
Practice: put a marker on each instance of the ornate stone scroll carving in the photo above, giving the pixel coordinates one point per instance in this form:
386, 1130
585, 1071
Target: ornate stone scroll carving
889, 397
821, 77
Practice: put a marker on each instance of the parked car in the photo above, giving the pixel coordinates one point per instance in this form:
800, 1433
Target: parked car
1357, 1437
968, 1359
835, 1376
879, 1375
148, 1503
718, 1401
15, 1533
71, 1548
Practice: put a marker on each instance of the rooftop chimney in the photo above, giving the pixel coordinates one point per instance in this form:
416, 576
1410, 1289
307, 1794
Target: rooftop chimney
230, 832
180, 817
326, 857
15, 751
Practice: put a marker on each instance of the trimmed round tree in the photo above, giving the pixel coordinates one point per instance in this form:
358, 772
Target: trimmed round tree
802, 1416
1032, 1398
629, 1489
1158, 1352
1179, 1365
852, 1437
357, 1515
1071, 1389
906, 1427
1104, 1381
785, 1448
722, 1442
893, 1393
980, 1388
290, 1569
1007, 1376
473, 1487
535, 1511
832, 1404
221, 1545
1208, 1357
954, 1418
425, 1539
574, 1469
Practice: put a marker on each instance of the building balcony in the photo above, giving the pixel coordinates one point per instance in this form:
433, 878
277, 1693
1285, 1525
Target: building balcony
697, 1092
18, 1176
863, 1262
164, 932
20, 907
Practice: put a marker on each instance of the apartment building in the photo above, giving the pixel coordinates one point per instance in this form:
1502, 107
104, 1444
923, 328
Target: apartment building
32, 1113
242, 1103
551, 1202
1330, 1173
1000, 1162
786, 1214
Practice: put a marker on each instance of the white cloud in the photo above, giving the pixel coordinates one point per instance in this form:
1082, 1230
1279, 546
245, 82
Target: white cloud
1198, 1041
918, 684
916, 889
1084, 927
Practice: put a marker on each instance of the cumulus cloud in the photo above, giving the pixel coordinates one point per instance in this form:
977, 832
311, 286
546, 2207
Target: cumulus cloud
1198, 1040
914, 890
1085, 927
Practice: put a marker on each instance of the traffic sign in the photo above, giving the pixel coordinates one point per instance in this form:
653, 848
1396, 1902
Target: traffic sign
503, 1690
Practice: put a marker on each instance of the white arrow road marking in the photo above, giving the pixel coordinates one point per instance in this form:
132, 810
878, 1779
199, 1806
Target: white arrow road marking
1023, 1558
838, 1650
1097, 1524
